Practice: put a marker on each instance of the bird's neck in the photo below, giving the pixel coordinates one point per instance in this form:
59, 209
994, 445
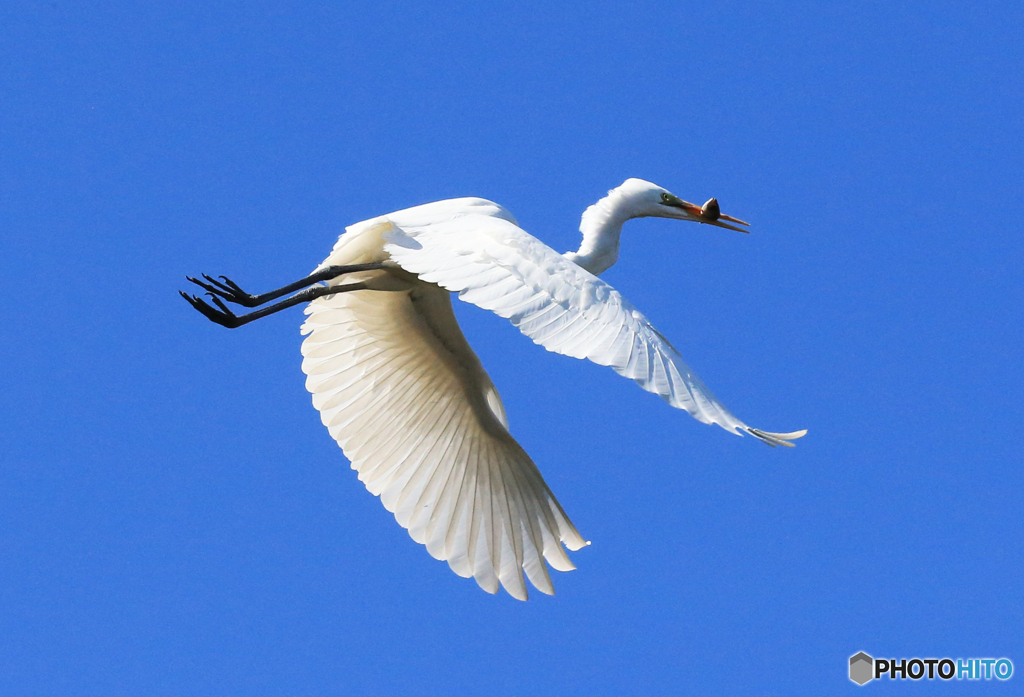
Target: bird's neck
601, 226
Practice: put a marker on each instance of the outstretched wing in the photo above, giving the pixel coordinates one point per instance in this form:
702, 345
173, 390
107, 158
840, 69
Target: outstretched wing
496, 265
407, 400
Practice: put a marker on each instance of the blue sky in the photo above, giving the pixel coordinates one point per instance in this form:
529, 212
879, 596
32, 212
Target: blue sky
175, 520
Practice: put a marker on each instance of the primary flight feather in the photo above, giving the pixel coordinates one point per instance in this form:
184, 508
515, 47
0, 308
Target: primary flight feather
398, 386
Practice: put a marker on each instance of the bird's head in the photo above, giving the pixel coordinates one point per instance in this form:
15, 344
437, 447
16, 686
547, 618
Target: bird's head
645, 199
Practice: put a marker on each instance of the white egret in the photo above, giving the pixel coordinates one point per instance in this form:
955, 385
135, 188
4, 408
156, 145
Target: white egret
400, 389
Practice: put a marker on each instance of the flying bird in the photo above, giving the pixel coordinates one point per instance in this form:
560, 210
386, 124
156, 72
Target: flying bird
399, 388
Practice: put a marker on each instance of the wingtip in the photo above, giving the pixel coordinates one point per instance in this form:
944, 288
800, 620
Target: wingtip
520, 594
575, 545
774, 439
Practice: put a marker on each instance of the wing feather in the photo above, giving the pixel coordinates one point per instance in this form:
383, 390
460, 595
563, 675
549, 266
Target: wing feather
399, 388
491, 262
415, 498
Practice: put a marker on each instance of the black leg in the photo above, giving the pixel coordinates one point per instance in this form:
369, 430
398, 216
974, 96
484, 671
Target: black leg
230, 291
226, 318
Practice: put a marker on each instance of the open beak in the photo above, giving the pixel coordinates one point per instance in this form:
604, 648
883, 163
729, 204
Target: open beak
711, 214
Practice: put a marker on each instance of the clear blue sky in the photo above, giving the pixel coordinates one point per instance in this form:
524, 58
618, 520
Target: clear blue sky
175, 520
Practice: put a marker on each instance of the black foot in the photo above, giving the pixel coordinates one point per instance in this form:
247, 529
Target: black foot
227, 289
220, 314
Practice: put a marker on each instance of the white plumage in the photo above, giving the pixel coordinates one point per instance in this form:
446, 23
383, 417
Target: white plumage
400, 389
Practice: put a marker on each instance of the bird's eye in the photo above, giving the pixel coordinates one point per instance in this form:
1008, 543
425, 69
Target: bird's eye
666, 198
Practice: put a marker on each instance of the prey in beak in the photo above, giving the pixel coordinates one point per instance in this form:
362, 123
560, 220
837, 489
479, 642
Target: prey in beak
710, 213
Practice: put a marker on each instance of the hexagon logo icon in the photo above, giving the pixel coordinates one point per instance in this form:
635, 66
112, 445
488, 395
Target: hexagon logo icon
862, 668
